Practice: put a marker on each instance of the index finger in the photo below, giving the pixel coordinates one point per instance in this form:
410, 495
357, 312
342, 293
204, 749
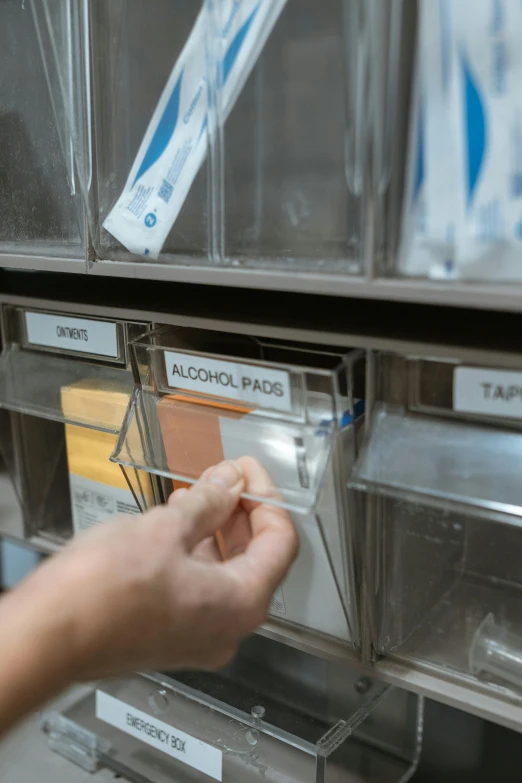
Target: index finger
274, 544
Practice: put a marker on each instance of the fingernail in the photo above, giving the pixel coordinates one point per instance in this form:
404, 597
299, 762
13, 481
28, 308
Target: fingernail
226, 474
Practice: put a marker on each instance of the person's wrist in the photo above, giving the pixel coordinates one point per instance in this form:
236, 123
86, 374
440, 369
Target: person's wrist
47, 605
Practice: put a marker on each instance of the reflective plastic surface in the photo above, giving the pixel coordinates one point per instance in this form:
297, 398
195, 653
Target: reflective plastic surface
279, 181
440, 493
39, 211
450, 147
59, 369
205, 396
217, 401
236, 726
294, 145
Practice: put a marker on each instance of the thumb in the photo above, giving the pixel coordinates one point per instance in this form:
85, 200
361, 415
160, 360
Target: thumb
204, 508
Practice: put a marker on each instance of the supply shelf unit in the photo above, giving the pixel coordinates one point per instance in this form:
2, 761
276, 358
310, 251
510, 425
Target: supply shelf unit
329, 210
491, 700
299, 235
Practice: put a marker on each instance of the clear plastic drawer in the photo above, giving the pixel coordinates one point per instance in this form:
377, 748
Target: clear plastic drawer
439, 487
278, 720
41, 211
204, 396
446, 155
219, 132
64, 389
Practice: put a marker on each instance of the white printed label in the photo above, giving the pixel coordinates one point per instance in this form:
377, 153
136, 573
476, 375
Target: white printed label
72, 334
488, 392
94, 502
160, 735
258, 385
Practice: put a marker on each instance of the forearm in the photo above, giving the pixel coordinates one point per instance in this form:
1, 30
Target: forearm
36, 647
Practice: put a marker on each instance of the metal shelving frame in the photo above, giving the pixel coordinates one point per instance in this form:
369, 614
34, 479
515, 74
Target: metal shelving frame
486, 701
494, 296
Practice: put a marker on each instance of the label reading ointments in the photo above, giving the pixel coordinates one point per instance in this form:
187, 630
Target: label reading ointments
93, 502
259, 385
488, 392
81, 335
160, 735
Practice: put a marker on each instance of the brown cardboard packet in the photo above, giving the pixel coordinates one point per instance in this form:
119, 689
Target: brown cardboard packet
192, 438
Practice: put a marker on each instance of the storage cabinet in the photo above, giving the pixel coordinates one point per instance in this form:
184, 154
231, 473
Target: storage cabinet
203, 396
233, 725
65, 384
40, 206
215, 132
438, 486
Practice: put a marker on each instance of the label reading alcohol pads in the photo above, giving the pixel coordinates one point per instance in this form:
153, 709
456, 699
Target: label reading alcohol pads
488, 392
94, 502
81, 335
162, 736
259, 385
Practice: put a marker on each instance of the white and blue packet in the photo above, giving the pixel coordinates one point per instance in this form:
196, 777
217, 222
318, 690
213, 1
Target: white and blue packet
463, 217
175, 144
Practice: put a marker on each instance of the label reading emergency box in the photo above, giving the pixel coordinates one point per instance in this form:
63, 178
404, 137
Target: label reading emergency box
79, 335
488, 392
262, 386
160, 735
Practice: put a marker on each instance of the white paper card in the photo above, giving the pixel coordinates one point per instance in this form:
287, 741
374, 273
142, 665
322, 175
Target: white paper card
259, 385
93, 502
162, 736
80, 335
488, 392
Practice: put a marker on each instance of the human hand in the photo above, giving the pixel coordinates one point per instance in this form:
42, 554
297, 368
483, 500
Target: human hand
150, 592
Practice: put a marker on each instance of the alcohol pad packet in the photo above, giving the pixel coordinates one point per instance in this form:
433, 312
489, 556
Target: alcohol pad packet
175, 144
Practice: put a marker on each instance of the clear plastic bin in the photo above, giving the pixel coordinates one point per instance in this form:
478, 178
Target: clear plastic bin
204, 396
447, 140
279, 179
40, 209
440, 495
281, 717
64, 388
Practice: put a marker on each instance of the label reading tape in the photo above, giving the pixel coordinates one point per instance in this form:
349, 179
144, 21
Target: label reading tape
159, 735
79, 335
488, 392
259, 385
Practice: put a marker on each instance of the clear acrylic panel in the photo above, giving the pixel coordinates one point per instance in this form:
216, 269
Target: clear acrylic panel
287, 414
191, 436
196, 405
39, 215
221, 131
37, 464
440, 494
66, 388
450, 210
135, 48
65, 407
260, 718
63, 37
66, 368
294, 153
